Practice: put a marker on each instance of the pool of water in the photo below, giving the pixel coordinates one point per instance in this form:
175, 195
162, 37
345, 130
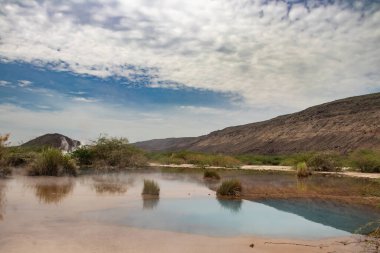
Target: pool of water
186, 205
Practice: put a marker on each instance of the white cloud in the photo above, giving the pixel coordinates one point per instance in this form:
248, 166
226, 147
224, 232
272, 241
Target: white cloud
85, 100
262, 52
85, 121
24, 83
4, 83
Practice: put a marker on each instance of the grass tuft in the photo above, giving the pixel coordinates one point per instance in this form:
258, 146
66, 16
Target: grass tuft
209, 174
151, 188
51, 162
230, 188
302, 170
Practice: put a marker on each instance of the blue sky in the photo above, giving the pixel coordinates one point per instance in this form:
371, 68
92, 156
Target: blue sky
148, 69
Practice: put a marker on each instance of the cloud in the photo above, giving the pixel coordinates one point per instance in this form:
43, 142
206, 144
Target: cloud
272, 53
24, 83
85, 100
85, 121
4, 83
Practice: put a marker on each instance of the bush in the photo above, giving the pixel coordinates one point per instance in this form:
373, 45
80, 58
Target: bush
260, 159
116, 152
4, 169
230, 188
51, 162
294, 159
324, 162
83, 155
366, 160
208, 174
302, 170
151, 188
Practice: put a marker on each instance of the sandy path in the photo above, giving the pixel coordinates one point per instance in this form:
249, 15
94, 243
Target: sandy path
271, 168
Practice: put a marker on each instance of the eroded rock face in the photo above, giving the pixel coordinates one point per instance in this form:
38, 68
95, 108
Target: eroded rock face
59, 141
343, 125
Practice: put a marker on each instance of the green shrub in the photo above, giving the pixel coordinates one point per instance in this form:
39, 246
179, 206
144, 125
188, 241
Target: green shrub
4, 169
230, 188
209, 174
294, 159
83, 155
366, 160
302, 170
324, 162
260, 159
151, 188
116, 152
51, 162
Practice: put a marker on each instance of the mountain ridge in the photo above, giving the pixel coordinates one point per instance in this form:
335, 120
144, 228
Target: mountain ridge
342, 125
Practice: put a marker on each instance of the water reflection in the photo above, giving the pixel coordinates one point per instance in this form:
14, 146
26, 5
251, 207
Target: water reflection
111, 184
53, 192
150, 203
233, 205
2, 200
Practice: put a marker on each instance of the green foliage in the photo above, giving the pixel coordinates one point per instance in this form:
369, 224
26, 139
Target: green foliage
84, 155
4, 169
325, 162
200, 159
230, 188
260, 159
51, 162
210, 174
302, 170
151, 188
294, 159
366, 160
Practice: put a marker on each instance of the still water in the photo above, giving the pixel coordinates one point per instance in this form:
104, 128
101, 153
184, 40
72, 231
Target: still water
186, 205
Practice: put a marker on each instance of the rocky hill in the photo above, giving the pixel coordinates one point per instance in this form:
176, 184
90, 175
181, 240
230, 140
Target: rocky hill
59, 141
342, 125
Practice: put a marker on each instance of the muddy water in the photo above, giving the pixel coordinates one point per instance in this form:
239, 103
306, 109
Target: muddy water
33, 204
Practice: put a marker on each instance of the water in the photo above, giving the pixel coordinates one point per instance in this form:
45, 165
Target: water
186, 205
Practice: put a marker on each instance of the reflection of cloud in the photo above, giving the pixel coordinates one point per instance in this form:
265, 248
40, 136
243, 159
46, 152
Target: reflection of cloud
234, 205
150, 202
53, 192
109, 184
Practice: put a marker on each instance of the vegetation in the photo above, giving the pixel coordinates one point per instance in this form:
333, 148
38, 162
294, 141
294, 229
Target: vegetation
366, 160
200, 159
110, 152
230, 188
260, 159
151, 188
4, 169
51, 162
210, 174
325, 162
302, 170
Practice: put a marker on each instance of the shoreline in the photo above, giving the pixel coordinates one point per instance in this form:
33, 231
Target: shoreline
270, 168
89, 237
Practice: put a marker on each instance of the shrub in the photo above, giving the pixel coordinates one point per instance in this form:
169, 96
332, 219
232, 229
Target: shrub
4, 169
83, 155
366, 160
324, 162
151, 188
209, 174
51, 162
230, 188
302, 170
260, 159
116, 152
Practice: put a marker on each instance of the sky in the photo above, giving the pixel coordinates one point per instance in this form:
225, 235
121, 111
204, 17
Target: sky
146, 69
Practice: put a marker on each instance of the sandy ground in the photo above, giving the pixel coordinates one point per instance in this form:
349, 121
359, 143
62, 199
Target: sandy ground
93, 237
271, 167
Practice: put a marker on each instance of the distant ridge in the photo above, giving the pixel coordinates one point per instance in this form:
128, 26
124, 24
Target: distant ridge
342, 125
55, 140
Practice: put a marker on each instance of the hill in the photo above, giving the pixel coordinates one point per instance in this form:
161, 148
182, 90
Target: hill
342, 125
53, 140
